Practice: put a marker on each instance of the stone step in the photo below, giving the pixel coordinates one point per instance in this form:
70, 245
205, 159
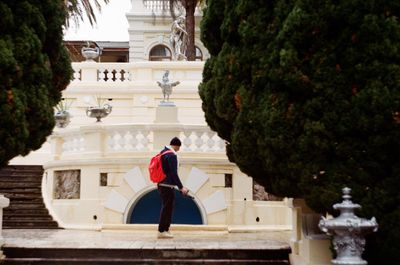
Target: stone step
147, 256
30, 217
5, 186
16, 174
19, 178
22, 167
26, 200
23, 196
11, 180
37, 189
34, 175
7, 211
20, 206
16, 261
29, 224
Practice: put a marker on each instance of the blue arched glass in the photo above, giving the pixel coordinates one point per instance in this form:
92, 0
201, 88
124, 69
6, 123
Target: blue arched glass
147, 210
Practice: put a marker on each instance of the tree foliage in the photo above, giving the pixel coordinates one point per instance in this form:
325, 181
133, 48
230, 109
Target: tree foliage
78, 9
307, 96
34, 69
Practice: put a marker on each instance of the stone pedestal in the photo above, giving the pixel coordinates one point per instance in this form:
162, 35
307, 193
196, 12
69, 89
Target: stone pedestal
4, 202
167, 113
167, 119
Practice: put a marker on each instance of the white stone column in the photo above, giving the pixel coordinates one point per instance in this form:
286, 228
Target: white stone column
56, 142
89, 72
4, 202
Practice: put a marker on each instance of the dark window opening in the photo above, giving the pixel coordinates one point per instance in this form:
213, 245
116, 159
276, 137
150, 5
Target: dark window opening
228, 180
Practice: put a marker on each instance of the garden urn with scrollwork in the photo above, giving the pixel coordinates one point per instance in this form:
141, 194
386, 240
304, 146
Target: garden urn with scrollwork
99, 112
91, 51
348, 231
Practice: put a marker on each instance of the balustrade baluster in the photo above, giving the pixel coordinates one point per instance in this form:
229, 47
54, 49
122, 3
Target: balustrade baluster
102, 75
221, 144
142, 141
135, 141
117, 138
129, 75
111, 142
210, 141
129, 141
77, 75
199, 141
187, 142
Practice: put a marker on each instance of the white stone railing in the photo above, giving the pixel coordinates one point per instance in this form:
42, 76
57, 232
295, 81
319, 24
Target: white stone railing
129, 138
138, 72
156, 4
104, 140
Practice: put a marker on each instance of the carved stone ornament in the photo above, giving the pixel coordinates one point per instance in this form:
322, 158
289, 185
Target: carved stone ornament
99, 112
348, 231
67, 184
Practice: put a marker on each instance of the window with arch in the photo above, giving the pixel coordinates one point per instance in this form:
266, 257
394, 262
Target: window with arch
160, 53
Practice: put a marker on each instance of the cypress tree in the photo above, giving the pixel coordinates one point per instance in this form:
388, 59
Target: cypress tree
306, 94
34, 69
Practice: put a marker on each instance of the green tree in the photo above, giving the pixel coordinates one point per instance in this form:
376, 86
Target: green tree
34, 69
307, 96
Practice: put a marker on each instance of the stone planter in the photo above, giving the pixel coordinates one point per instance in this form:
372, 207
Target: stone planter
99, 112
90, 53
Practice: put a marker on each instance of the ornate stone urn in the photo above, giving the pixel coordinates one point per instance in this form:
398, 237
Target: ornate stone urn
90, 52
99, 112
348, 231
63, 118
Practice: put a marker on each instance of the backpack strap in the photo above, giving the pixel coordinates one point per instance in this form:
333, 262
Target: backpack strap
166, 152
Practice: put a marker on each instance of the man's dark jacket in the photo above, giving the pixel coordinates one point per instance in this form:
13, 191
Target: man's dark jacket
170, 168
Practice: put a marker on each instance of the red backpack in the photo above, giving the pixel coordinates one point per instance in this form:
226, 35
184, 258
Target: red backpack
155, 167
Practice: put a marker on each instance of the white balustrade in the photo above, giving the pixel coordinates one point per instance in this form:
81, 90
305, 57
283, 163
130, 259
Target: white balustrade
77, 75
74, 143
128, 139
108, 139
156, 5
203, 140
115, 73
133, 72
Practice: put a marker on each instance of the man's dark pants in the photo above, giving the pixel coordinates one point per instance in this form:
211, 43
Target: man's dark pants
167, 195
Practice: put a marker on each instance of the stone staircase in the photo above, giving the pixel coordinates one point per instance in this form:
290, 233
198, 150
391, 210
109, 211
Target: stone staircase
22, 185
63, 256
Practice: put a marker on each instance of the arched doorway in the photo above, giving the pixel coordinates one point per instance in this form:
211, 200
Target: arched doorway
147, 209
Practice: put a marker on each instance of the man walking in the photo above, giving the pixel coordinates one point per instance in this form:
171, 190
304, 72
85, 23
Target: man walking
165, 187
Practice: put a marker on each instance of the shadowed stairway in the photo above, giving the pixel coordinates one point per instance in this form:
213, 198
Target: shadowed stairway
22, 185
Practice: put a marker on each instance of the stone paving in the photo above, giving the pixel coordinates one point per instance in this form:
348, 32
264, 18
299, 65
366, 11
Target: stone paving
137, 239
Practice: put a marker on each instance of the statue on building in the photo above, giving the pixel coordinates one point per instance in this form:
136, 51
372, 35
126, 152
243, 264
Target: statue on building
167, 86
179, 38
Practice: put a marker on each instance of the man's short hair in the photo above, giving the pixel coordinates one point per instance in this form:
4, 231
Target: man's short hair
175, 141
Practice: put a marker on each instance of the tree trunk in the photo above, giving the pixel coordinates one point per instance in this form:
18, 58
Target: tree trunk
190, 6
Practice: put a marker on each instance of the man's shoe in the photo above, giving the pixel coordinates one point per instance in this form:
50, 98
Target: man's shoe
165, 234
